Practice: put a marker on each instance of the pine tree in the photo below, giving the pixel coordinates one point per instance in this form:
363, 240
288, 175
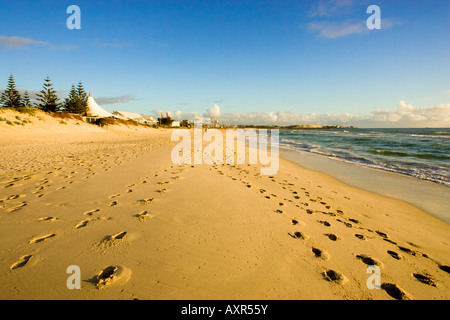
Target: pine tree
77, 100
26, 100
83, 97
70, 103
47, 99
11, 97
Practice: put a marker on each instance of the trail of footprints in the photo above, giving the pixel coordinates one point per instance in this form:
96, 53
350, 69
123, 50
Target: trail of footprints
337, 215
111, 274
114, 274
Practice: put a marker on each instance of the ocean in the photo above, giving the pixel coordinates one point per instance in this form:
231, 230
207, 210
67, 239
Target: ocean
421, 153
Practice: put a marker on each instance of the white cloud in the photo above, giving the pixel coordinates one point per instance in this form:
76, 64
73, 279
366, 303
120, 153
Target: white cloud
19, 42
14, 42
327, 8
405, 115
114, 100
214, 112
334, 30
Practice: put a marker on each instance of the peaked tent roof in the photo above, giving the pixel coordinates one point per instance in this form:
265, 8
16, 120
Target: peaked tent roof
95, 110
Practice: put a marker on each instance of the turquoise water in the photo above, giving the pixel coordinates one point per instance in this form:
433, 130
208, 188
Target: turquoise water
422, 153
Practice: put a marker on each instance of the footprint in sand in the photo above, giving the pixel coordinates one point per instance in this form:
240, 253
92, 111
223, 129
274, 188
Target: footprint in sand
369, 260
395, 292
321, 254
47, 219
163, 182
331, 236
145, 201
111, 275
361, 236
41, 239
382, 234
91, 212
113, 203
394, 254
424, 279
444, 268
40, 188
114, 196
347, 224
82, 224
408, 251
22, 262
114, 239
143, 215
299, 235
162, 191
334, 276
18, 207
325, 223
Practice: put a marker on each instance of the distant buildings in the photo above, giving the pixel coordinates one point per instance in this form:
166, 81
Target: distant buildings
139, 118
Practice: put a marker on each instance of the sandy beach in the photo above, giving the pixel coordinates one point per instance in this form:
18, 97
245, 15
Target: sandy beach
111, 201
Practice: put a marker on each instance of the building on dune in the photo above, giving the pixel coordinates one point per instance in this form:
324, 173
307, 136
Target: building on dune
94, 111
139, 118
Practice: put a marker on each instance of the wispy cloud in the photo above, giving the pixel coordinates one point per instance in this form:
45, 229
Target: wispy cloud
20, 42
329, 8
101, 44
333, 30
115, 100
14, 42
334, 19
339, 29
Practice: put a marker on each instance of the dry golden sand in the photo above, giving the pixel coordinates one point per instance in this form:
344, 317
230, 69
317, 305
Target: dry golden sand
140, 227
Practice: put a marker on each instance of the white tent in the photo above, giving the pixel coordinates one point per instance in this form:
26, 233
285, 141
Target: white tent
95, 110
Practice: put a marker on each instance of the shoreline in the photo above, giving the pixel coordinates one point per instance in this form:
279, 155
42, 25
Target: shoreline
425, 195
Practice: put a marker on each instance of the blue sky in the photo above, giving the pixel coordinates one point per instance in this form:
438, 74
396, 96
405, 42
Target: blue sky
275, 62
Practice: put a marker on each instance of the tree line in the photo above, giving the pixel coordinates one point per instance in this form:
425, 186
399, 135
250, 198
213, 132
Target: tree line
47, 99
